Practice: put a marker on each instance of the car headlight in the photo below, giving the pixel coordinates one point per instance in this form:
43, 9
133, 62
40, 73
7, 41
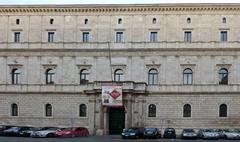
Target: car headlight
132, 134
67, 132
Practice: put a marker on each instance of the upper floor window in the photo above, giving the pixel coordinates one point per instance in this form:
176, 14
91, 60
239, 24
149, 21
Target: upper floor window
152, 110
119, 37
50, 76
152, 77
223, 76
187, 76
120, 21
51, 21
153, 36
223, 37
224, 20
82, 110
14, 109
118, 75
85, 37
223, 110
187, 110
188, 20
187, 36
16, 76
48, 110
17, 21
85, 21
17, 37
84, 76
50, 37
154, 21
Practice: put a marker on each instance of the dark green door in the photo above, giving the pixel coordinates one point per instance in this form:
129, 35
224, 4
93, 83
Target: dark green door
116, 120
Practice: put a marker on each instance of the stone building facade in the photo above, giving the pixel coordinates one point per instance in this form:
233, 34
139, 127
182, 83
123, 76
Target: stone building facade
178, 65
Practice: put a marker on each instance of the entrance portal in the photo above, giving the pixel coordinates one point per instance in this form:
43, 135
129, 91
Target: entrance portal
116, 120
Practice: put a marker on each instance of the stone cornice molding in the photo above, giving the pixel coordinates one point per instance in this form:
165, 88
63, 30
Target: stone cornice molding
94, 8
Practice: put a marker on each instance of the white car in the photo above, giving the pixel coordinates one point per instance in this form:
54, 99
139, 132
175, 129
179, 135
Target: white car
232, 135
48, 133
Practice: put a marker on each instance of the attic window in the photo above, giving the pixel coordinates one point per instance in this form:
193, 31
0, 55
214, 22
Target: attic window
17, 21
51, 21
188, 20
224, 20
86, 21
120, 21
154, 20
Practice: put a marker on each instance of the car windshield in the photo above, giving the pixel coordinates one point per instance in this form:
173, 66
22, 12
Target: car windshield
53, 128
132, 130
188, 130
169, 129
150, 129
66, 129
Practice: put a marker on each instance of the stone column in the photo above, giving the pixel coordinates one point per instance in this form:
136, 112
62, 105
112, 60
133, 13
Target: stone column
91, 114
105, 121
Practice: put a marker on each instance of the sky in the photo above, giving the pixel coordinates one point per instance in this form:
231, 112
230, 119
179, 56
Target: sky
111, 1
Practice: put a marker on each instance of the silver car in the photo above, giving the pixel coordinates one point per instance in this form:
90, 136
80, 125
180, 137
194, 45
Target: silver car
232, 134
210, 134
48, 133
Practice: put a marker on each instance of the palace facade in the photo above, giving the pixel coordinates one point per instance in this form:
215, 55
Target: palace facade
178, 65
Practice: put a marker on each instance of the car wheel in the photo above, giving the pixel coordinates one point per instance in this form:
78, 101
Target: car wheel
137, 137
50, 135
73, 136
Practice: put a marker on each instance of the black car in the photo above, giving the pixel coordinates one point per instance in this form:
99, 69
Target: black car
152, 133
4, 127
189, 134
169, 133
134, 133
28, 132
15, 131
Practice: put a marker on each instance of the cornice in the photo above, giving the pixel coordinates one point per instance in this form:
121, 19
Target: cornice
93, 8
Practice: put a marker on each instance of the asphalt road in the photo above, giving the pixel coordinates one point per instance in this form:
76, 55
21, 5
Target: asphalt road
100, 139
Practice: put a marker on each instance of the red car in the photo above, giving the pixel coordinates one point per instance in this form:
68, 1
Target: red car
73, 132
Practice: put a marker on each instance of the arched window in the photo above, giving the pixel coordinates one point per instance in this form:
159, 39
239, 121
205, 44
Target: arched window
153, 77
16, 76
86, 21
50, 76
14, 109
17, 21
51, 21
223, 110
154, 21
120, 21
223, 76
82, 110
187, 76
187, 110
118, 75
188, 20
84, 76
224, 20
48, 110
152, 110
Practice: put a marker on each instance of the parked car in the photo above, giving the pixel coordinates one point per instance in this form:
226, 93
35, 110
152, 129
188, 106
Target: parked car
208, 134
169, 133
189, 134
134, 132
222, 132
46, 133
231, 134
15, 131
151, 133
4, 127
27, 133
73, 132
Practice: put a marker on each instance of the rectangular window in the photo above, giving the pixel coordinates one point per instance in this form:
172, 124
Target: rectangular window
119, 37
16, 37
50, 37
153, 36
187, 36
223, 36
85, 37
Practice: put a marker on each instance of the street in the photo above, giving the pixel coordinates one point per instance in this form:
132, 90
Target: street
99, 139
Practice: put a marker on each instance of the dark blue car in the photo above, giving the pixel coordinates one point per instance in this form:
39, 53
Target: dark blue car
133, 133
152, 133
